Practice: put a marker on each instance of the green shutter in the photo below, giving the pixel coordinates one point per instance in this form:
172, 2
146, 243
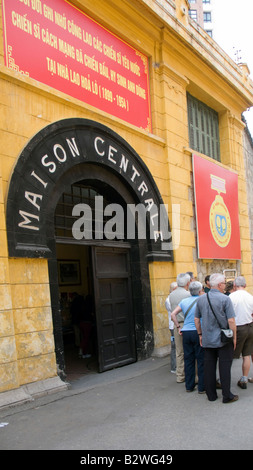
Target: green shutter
203, 125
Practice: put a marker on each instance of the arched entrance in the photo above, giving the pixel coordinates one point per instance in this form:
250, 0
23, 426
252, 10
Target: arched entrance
108, 271
76, 152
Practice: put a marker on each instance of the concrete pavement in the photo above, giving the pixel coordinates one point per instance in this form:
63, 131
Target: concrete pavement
135, 407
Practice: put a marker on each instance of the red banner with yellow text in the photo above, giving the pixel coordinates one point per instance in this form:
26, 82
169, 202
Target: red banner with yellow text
216, 207
60, 46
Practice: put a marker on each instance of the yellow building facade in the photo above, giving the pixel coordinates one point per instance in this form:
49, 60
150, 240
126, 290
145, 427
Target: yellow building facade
182, 60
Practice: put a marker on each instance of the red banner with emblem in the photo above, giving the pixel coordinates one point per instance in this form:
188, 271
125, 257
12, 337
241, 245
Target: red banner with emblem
216, 208
57, 44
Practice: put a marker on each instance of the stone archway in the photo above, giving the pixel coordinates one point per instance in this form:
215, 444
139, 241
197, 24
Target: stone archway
49, 155
69, 151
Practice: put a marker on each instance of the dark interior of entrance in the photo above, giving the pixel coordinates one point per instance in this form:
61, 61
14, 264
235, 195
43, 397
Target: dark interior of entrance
75, 294
76, 264
112, 271
104, 276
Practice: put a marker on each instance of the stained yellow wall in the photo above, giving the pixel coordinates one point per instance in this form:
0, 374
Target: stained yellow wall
182, 58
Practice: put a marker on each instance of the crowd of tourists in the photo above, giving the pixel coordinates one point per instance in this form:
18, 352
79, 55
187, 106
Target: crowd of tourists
210, 325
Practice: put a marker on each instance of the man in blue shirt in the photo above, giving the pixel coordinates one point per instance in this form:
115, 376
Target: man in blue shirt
192, 350
209, 334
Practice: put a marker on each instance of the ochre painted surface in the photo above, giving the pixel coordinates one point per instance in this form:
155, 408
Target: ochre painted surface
182, 59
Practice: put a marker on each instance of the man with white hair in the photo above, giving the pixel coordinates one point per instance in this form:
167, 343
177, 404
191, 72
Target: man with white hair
210, 339
180, 293
173, 365
243, 305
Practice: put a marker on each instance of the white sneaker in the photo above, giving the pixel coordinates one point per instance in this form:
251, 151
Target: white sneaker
84, 356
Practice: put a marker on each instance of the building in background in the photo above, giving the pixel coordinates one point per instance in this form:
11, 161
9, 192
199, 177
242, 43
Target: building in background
116, 105
203, 12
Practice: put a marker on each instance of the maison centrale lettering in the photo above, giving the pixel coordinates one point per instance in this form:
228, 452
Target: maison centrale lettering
66, 152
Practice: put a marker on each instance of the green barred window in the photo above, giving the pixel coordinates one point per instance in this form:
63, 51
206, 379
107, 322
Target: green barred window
203, 124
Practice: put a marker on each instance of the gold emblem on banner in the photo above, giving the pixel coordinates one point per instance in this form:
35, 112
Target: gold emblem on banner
219, 218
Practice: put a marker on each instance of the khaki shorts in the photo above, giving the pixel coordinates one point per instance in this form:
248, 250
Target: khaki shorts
244, 340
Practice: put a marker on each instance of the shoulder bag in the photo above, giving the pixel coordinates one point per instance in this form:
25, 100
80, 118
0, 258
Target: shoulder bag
189, 308
226, 334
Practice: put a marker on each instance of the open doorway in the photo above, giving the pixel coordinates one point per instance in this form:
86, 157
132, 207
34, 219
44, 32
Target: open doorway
113, 269
76, 297
94, 284
98, 325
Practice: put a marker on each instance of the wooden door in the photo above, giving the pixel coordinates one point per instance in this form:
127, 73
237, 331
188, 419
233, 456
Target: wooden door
114, 313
